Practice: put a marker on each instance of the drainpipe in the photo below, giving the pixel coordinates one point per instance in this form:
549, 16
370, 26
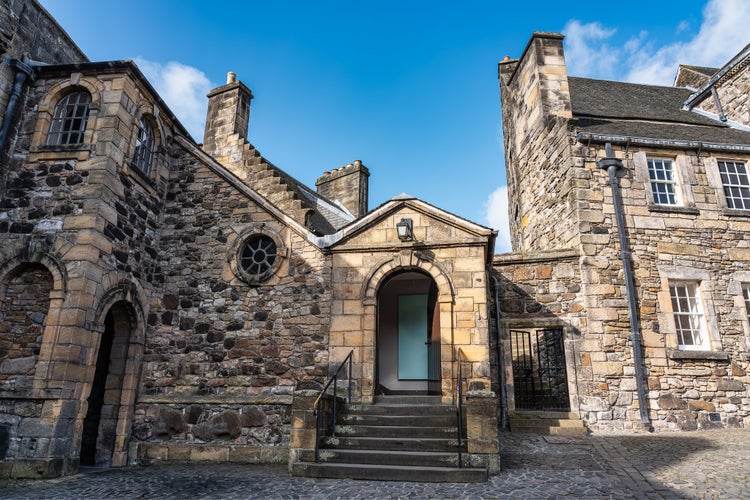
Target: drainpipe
23, 70
612, 165
500, 356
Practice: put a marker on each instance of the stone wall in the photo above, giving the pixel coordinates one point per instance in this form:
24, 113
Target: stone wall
536, 291
223, 356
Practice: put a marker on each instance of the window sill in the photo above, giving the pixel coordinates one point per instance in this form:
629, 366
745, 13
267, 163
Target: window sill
734, 212
673, 209
681, 354
80, 152
141, 178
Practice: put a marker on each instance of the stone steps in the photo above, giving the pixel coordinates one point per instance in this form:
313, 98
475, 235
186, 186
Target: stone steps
385, 457
400, 438
410, 444
551, 423
391, 472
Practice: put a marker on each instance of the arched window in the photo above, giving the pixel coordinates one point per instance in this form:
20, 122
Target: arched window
69, 119
144, 147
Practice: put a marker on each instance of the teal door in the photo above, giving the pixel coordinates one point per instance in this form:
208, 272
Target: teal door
413, 340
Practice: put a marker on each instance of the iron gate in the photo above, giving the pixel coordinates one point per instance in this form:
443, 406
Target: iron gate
539, 378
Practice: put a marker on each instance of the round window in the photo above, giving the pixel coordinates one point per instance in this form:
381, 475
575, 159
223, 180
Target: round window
258, 255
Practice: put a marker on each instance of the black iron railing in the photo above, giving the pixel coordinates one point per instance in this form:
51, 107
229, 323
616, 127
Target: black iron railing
320, 415
460, 407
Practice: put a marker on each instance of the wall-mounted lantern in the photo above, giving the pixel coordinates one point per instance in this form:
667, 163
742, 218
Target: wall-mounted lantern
405, 230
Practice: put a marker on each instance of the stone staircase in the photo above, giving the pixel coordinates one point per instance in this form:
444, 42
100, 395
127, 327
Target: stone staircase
399, 438
554, 423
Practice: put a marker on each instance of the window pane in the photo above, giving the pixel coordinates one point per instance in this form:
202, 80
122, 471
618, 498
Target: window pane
69, 119
688, 316
144, 147
663, 184
734, 177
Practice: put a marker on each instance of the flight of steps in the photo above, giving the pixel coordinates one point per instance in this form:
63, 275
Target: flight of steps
399, 438
554, 423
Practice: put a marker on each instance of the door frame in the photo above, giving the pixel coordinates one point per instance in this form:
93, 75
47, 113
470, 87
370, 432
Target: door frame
400, 283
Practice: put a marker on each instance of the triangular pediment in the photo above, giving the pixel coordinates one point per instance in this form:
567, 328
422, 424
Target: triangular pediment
431, 226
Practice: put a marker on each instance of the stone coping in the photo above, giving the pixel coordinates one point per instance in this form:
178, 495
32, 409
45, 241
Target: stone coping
267, 399
544, 256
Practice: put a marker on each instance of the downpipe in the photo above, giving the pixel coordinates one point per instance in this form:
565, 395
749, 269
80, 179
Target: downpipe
612, 165
24, 70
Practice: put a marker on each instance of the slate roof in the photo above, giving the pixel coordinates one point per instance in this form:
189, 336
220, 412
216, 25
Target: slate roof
702, 69
326, 217
604, 107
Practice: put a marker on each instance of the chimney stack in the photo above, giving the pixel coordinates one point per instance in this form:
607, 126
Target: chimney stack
228, 116
349, 185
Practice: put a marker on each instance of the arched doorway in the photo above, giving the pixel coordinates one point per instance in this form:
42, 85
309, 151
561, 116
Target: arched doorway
100, 424
408, 335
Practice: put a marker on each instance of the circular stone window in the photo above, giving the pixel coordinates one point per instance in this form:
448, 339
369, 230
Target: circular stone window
257, 256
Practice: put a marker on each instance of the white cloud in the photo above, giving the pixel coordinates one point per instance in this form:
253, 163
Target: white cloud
183, 88
587, 52
496, 214
721, 35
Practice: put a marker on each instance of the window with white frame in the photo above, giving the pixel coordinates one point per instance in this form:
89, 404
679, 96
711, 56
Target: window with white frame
736, 183
689, 320
663, 178
746, 296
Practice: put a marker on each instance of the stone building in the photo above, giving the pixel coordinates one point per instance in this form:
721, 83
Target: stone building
630, 211
163, 300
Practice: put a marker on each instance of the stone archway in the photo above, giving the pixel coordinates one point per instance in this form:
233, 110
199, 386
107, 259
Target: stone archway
408, 335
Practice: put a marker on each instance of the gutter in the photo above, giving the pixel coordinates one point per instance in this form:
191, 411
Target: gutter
661, 143
612, 165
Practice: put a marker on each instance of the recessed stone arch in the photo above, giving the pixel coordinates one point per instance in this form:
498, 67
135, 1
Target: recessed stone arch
404, 261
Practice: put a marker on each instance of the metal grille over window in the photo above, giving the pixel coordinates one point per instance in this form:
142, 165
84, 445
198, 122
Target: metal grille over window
144, 148
69, 120
663, 182
258, 255
736, 184
688, 316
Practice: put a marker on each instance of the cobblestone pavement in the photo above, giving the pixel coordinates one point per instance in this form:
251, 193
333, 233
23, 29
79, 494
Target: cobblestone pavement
711, 464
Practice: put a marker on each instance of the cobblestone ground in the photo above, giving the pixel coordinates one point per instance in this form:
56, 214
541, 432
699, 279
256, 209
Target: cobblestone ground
712, 464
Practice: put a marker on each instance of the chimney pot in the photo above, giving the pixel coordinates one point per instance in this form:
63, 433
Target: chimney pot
231, 77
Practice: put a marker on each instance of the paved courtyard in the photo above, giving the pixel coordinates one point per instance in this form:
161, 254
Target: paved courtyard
708, 464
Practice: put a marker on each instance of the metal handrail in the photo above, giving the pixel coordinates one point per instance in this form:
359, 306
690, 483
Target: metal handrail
459, 407
316, 405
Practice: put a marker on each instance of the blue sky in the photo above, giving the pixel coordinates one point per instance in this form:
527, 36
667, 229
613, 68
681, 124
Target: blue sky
410, 87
